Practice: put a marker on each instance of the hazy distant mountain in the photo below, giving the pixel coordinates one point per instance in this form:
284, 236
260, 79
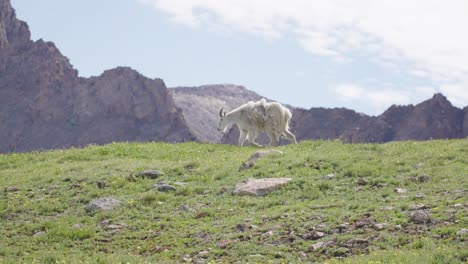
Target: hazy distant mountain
44, 104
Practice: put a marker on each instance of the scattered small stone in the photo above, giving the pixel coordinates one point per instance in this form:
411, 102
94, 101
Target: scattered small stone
463, 231
420, 196
223, 244
105, 222
362, 182
204, 253
314, 235
149, 174
246, 165
203, 235
316, 246
114, 227
164, 187
418, 165
362, 223
420, 217
102, 204
379, 227
329, 176
413, 179
260, 187
268, 234
358, 241
419, 206
101, 184
399, 190
201, 215
458, 205
184, 207
319, 245
423, 178
241, 228
12, 189
187, 258
257, 155
340, 228
38, 234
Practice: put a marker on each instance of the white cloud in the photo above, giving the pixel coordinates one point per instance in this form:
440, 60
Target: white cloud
380, 99
456, 93
425, 38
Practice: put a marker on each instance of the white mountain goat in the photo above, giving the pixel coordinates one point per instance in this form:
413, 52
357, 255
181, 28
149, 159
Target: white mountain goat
255, 117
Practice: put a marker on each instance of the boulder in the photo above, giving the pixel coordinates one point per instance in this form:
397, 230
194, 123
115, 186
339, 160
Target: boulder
102, 204
260, 187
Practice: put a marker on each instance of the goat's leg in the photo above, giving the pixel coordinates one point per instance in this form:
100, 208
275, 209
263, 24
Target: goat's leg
273, 139
242, 136
252, 135
290, 136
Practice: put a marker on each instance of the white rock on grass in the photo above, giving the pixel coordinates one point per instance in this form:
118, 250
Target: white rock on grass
260, 187
102, 204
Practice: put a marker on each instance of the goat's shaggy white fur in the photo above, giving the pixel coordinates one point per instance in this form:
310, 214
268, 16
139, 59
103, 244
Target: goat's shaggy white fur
255, 117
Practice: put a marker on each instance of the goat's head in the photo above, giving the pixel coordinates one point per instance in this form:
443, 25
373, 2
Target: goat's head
223, 120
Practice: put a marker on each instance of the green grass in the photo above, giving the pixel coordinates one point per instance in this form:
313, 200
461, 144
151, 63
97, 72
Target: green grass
46, 222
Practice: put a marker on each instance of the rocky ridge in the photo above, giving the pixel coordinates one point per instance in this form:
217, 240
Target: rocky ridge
44, 104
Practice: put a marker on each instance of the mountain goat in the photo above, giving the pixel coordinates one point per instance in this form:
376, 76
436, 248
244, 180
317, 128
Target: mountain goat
255, 117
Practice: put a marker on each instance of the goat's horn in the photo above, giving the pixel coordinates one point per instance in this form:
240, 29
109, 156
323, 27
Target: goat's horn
221, 112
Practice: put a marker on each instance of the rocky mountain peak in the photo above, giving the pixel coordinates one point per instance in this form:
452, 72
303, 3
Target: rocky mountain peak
13, 32
44, 104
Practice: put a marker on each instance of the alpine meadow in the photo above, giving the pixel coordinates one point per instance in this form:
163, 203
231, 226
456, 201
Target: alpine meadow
398, 202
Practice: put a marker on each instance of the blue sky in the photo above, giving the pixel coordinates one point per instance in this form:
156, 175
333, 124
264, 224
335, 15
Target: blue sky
364, 55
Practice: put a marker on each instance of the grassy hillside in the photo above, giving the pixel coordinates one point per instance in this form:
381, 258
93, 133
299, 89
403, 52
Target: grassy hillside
343, 195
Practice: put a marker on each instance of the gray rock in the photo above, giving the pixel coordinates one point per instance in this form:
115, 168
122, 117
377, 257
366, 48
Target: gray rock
164, 187
362, 181
462, 232
102, 204
149, 174
420, 217
379, 227
319, 245
257, 155
38, 234
12, 189
419, 196
314, 235
260, 187
399, 190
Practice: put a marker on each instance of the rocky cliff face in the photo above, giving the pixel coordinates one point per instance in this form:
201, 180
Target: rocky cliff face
201, 105
44, 104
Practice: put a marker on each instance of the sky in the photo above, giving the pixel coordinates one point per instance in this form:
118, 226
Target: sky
364, 55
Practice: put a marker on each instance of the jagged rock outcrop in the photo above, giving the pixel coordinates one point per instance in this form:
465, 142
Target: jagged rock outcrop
12, 31
435, 118
44, 104
200, 106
